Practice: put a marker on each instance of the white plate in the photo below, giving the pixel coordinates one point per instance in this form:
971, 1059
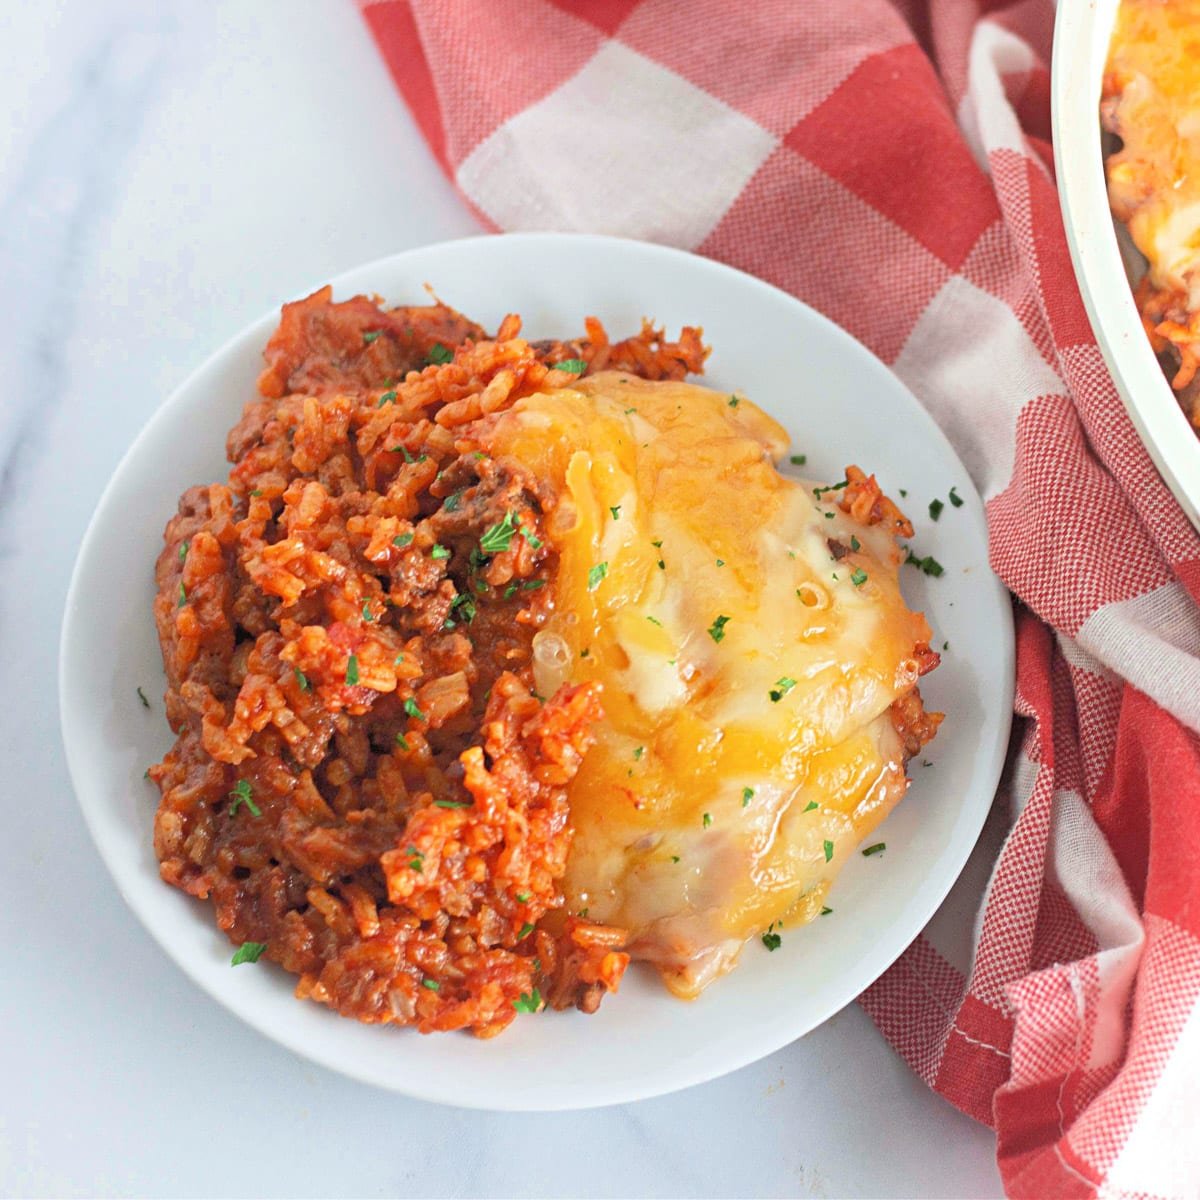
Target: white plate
842, 406
1082, 32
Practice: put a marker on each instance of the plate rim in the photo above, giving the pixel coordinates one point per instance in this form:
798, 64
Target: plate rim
694, 1072
1080, 50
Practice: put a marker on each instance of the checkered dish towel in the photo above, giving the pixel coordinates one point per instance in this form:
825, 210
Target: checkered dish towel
890, 165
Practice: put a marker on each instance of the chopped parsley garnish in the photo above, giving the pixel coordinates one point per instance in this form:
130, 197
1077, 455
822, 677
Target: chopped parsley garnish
352, 670
431, 984
637, 754
301, 679
945, 647
734, 401
402, 742
367, 614
955, 499
716, 630
368, 338
798, 460
615, 509
416, 860
142, 698
929, 564
453, 501
510, 591
452, 803
811, 805
596, 574
410, 707
524, 931
720, 562
439, 551
630, 410
401, 540
585, 652
828, 851
499, 537
855, 544
535, 543
247, 952
833, 487
783, 685
529, 1002
241, 795
656, 543
464, 604
573, 366
772, 941
903, 492
440, 354
655, 621
674, 858
707, 820
859, 577
826, 910
747, 795
387, 398
878, 848
183, 549
522, 897
182, 595
935, 509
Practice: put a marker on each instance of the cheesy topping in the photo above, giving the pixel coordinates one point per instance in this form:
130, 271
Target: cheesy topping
747, 669
1152, 101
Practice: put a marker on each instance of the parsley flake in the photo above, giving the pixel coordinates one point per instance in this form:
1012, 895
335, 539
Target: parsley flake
410, 707
855, 544
142, 698
401, 540
935, 509
522, 897
241, 795
734, 401
439, 551
440, 354
368, 338
955, 499
674, 858
247, 952
529, 1002
707, 820
453, 501
878, 848
534, 542
416, 860
452, 803
637, 754
811, 805
929, 564
595, 575
182, 596
798, 460
859, 577
615, 509
183, 549
655, 621
783, 685
301, 679
826, 910
747, 795
524, 931
431, 984
352, 670
573, 366
387, 398
772, 941
828, 851
367, 614
716, 630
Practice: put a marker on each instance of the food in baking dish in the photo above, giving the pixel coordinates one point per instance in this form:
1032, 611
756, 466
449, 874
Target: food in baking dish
495, 664
1151, 103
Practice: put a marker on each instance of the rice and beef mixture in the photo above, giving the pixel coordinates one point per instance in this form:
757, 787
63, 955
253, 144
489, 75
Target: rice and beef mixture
364, 780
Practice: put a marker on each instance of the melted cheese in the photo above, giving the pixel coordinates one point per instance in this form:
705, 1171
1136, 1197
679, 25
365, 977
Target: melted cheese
671, 514
1153, 92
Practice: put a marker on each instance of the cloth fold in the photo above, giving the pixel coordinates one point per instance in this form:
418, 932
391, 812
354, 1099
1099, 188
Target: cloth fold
890, 164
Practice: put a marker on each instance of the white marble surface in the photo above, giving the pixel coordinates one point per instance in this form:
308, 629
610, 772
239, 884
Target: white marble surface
168, 171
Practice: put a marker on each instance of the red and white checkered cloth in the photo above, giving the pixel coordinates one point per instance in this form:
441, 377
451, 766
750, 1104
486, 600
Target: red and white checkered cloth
890, 165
